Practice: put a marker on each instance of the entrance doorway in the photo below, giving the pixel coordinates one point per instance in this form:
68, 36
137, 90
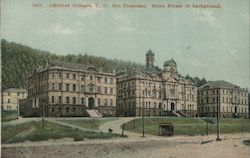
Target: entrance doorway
91, 103
172, 106
235, 109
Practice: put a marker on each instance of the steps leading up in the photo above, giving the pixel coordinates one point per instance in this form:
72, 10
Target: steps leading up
94, 113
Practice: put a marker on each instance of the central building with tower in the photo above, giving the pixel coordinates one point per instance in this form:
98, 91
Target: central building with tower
156, 92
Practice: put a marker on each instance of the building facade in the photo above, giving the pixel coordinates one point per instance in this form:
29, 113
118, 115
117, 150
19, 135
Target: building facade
65, 89
11, 97
156, 92
230, 99
248, 105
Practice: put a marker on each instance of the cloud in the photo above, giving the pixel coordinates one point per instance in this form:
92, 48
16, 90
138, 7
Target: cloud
123, 23
207, 16
245, 17
90, 12
58, 29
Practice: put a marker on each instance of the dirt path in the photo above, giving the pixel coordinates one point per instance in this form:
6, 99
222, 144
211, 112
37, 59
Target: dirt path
20, 121
115, 125
72, 126
134, 145
231, 146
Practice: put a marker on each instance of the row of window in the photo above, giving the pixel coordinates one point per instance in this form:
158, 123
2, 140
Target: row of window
90, 88
224, 100
239, 93
224, 109
67, 109
18, 94
82, 77
73, 100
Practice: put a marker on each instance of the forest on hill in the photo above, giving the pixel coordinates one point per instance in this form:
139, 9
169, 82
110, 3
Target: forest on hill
18, 61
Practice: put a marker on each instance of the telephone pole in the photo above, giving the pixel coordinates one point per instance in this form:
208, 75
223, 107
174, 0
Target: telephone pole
218, 116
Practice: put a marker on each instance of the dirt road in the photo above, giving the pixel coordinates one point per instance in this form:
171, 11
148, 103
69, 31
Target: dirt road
175, 147
134, 146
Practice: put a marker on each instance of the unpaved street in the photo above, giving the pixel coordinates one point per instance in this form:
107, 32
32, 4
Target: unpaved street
134, 146
175, 147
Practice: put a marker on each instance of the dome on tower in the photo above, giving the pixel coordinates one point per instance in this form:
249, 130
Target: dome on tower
149, 52
170, 63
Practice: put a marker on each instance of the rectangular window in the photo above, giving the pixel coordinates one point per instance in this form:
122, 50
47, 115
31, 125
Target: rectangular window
99, 101
99, 89
74, 76
60, 74
111, 80
53, 86
99, 79
67, 75
74, 100
111, 90
82, 77
67, 100
106, 90
60, 99
91, 78
53, 74
67, 87
106, 102
111, 102
52, 99
60, 86
67, 109
82, 88
74, 87
106, 80
82, 101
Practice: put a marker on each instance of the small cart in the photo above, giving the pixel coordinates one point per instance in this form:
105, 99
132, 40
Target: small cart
166, 129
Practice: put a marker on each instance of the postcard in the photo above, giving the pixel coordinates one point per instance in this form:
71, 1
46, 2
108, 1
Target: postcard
125, 78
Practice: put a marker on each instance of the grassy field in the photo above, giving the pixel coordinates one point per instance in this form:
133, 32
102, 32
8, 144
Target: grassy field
32, 131
8, 115
88, 123
189, 126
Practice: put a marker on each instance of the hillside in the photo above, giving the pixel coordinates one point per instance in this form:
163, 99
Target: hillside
18, 61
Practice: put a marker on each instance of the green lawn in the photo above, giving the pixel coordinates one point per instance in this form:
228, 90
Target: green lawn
32, 131
88, 123
8, 115
188, 126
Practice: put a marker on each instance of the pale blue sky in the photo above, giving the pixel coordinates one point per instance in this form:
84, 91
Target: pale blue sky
210, 43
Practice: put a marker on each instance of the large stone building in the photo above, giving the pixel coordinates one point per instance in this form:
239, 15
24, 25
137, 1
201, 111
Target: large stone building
156, 92
10, 98
248, 105
65, 89
229, 98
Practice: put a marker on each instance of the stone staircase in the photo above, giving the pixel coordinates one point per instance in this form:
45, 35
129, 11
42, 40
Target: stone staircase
93, 113
174, 112
181, 114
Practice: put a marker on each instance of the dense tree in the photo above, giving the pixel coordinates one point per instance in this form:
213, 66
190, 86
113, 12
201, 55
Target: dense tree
18, 61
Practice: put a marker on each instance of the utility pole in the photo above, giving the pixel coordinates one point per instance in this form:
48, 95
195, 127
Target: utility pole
242, 125
143, 110
143, 132
18, 108
218, 116
134, 121
43, 122
207, 127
